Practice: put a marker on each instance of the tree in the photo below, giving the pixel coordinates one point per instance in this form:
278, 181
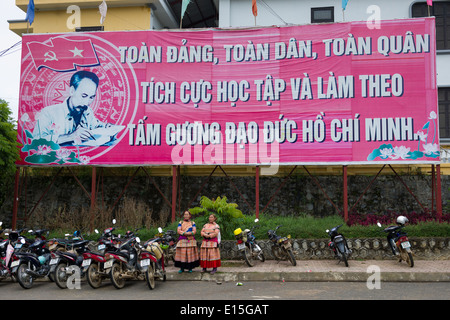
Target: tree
229, 217
9, 151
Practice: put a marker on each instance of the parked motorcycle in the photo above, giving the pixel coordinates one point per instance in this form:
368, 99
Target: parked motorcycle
132, 261
63, 259
246, 243
281, 246
338, 245
167, 242
7, 257
398, 241
94, 260
33, 264
152, 263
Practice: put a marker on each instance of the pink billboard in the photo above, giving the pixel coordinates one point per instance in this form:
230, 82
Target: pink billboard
341, 93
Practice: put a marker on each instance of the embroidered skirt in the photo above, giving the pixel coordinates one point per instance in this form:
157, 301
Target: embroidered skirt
209, 254
186, 254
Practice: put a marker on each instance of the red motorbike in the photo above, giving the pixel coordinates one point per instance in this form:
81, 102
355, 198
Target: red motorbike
133, 261
93, 264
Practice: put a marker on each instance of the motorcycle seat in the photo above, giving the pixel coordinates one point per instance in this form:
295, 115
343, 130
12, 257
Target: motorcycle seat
124, 254
80, 243
73, 255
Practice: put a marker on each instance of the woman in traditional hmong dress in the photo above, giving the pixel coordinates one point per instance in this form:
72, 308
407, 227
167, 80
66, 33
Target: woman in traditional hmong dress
209, 250
186, 255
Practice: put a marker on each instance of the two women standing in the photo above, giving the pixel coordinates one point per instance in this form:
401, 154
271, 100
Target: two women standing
187, 256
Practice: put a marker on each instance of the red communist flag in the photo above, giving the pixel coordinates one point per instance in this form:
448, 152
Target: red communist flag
61, 54
254, 8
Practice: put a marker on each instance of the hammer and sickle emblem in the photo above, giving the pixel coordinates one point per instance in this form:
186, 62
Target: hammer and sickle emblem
50, 56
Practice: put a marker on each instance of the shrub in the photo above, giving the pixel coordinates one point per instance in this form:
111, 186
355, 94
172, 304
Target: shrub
229, 217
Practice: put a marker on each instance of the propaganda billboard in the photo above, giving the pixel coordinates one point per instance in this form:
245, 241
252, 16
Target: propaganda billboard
338, 93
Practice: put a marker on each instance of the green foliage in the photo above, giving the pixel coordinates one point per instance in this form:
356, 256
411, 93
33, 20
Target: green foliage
229, 217
9, 151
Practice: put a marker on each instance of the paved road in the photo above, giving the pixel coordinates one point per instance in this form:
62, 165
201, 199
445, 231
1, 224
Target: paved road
252, 290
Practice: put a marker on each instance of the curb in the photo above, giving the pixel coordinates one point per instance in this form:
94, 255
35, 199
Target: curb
220, 277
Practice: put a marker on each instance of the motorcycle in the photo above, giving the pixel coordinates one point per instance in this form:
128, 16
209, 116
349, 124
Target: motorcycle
68, 260
246, 243
32, 264
338, 245
7, 256
281, 246
132, 261
152, 263
398, 241
167, 242
94, 259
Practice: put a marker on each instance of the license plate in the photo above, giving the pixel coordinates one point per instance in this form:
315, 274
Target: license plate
18, 246
406, 245
15, 263
86, 263
101, 247
241, 246
54, 261
109, 263
145, 262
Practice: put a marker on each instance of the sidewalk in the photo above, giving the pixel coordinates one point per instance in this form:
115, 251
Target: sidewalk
320, 270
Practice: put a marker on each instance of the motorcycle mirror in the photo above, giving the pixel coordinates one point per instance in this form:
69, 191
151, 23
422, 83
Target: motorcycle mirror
138, 240
66, 235
22, 241
30, 231
160, 230
114, 221
256, 220
96, 231
327, 231
379, 224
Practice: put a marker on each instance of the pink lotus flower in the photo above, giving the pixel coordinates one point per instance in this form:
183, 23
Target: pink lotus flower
84, 159
63, 154
43, 150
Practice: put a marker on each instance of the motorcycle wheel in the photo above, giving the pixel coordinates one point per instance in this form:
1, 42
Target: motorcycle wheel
344, 258
150, 276
276, 251
261, 256
93, 278
407, 256
291, 257
60, 275
248, 256
115, 275
25, 280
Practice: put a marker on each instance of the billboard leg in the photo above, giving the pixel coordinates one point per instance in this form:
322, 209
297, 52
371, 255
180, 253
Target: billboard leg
438, 192
16, 199
174, 192
345, 194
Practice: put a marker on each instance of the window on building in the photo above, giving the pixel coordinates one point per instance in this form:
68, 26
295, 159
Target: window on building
440, 10
89, 29
444, 114
324, 14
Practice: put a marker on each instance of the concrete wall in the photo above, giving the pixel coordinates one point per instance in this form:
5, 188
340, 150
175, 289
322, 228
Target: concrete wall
364, 249
299, 195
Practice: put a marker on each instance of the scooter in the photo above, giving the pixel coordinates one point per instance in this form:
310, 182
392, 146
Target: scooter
246, 243
7, 257
167, 242
94, 260
151, 262
132, 261
68, 261
338, 245
398, 241
32, 264
281, 246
